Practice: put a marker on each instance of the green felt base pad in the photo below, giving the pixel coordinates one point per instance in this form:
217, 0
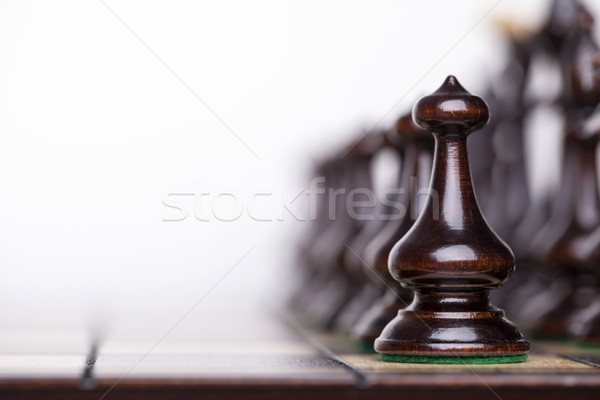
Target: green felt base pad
400, 358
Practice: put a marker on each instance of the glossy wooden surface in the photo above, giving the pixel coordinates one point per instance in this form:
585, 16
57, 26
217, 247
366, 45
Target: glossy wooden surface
450, 257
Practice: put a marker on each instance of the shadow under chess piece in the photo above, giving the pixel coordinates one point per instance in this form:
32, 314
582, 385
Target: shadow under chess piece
451, 258
417, 146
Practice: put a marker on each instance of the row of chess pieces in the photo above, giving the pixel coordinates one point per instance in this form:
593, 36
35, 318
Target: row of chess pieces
344, 261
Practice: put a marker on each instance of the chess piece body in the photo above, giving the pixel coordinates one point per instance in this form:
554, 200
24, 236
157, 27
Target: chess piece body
451, 258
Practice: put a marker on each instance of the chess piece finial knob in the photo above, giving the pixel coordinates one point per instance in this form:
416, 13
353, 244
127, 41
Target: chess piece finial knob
451, 258
451, 110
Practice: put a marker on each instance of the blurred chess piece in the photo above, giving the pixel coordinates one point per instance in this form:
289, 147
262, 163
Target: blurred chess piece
417, 146
336, 284
328, 172
544, 48
585, 324
365, 292
509, 198
576, 213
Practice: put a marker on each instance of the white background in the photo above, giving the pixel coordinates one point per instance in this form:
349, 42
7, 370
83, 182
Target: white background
102, 117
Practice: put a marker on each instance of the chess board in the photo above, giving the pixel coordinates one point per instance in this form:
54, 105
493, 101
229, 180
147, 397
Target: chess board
284, 360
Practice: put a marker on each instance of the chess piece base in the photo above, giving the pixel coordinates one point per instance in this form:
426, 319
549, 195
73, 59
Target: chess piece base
454, 326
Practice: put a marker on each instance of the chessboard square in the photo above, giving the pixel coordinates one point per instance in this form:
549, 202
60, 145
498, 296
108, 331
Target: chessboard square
198, 366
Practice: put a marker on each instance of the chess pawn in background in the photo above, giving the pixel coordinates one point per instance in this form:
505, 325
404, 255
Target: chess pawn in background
585, 325
309, 252
366, 291
417, 145
510, 199
551, 314
529, 281
576, 212
450, 257
585, 253
306, 274
559, 247
336, 284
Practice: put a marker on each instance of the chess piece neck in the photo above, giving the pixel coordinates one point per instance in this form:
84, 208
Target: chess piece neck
451, 185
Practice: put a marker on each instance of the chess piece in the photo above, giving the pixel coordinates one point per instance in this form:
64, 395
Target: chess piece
365, 292
584, 254
579, 216
585, 325
451, 258
417, 145
496, 153
510, 198
564, 15
336, 283
523, 297
329, 171
574, 219
577, 209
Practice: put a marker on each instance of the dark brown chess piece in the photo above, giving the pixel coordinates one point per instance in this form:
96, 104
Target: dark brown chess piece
417, 145
563, 16
451, 258
576, 216
314, 227
329, 173
530, 281
576, 213
510, 199
585, 325
509, 217
365, 292
585, 254
336, 284
580, 216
